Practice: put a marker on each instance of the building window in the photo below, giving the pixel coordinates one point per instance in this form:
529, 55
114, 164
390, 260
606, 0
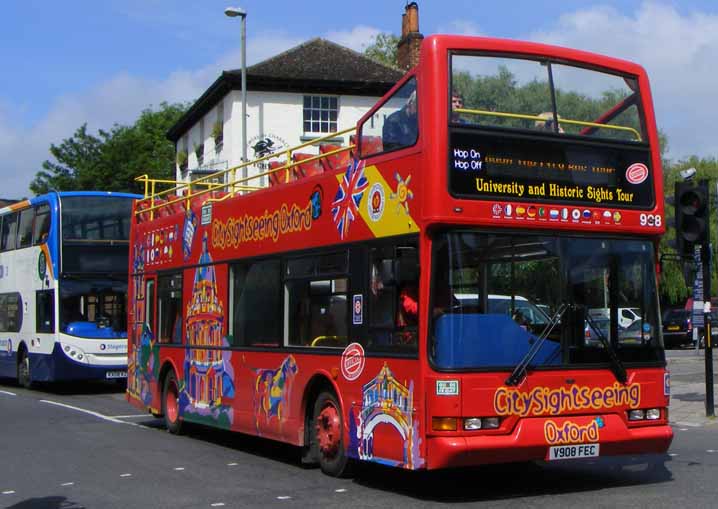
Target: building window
320, 114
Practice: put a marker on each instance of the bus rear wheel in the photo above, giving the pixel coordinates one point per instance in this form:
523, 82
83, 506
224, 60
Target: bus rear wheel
24, 378
170, 404
328, 439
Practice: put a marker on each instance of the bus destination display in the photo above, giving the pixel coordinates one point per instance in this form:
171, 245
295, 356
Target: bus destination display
519, 168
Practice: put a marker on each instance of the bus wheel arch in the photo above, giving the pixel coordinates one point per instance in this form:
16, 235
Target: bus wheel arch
319, 383
24, 376
324, 440
169, 393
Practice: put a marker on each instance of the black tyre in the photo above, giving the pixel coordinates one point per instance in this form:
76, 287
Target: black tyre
170, 404
24, 377
328, 436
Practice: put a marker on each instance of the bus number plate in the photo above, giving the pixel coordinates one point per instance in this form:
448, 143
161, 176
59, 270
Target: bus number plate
116, 374
567, 452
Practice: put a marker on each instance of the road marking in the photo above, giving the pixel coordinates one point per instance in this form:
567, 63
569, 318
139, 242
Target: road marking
232, 464
341, 490
672, 454
710, 450
133, 416
8, 393
218, 504
125, 475
284, 497
67, 484
8, 492
89, 412
179, 468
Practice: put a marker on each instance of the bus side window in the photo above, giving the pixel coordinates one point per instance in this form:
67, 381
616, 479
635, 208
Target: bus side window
150, 304
316, 300
169, 298
394, 298
45, 311
41, 228
256, 304
9, 232
24, 235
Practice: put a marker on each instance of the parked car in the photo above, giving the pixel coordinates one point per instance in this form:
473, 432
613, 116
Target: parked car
677, 328
591, 330
636, 334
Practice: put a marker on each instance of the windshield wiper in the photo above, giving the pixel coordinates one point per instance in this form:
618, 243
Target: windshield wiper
520, 371
616, 365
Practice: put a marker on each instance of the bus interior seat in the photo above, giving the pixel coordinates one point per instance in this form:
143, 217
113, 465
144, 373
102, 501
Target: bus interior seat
308, 169
334, 162
278, 177
370, 145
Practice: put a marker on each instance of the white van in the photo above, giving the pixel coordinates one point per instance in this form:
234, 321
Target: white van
626, 316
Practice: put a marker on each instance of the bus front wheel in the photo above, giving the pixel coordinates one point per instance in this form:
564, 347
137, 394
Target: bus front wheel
24, 378
170, 404
328, 430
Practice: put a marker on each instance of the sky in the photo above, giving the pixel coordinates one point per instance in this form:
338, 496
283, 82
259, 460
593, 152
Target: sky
102, 62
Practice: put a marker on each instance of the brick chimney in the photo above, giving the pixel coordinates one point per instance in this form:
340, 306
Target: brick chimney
407, 55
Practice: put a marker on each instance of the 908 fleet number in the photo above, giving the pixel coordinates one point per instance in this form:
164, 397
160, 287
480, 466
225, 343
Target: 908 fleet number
567, 452
651, 220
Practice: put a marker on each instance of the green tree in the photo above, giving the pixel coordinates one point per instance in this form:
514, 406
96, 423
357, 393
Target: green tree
112, 159
383, 49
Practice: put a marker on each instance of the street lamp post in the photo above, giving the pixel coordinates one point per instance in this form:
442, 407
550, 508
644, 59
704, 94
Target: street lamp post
234, 12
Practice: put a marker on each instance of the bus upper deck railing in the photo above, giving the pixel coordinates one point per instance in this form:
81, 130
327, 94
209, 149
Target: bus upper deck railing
539, 118
163, 194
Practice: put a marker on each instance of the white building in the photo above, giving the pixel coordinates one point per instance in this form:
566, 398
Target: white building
304, 93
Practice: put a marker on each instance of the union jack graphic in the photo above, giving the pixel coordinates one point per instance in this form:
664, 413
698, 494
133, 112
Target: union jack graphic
349, 195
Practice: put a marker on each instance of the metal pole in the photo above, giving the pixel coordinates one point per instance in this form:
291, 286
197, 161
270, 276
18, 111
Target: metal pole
710, 409
244, 94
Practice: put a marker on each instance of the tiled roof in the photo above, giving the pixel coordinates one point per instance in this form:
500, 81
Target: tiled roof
319, 59
316, 66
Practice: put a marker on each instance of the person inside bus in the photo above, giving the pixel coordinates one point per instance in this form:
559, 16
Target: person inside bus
457, 103
401, 127
548, 123
407, 317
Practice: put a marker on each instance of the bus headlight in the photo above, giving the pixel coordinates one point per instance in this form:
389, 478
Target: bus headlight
74, 353
476, 423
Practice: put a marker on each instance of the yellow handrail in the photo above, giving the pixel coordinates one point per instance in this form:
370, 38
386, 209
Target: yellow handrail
234, 185
543, 119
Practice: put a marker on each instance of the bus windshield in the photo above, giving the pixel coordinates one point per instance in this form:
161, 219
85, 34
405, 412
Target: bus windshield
93, 307
544, 95
487, 289
96, 218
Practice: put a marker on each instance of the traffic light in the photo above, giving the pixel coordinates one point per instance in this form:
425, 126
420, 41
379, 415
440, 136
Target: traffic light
692, 213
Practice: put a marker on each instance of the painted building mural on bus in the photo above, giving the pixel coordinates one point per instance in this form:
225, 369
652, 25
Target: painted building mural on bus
143, 362
388, 403
208, 371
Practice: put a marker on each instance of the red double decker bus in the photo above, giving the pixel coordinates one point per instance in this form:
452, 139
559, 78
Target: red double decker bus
472, 280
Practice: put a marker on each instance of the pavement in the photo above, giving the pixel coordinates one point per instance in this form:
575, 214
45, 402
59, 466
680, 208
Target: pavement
688, 388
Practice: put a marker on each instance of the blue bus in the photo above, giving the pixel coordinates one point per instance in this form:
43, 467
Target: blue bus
63, 287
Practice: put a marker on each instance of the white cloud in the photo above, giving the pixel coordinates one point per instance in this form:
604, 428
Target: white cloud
461, 27
358, 38
120, 99
678, 52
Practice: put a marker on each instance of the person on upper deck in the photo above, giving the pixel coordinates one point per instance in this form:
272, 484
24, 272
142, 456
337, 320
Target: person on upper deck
401, 127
